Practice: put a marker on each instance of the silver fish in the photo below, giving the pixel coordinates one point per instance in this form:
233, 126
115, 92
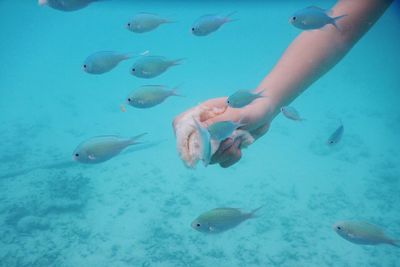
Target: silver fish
145, 22
311, 18
149, 96
242, 98
223, 129
205, 142
151, 66
221, 219
102, 148
336, 136
66, 5
209, 23
362, 233
103, 61
291, 113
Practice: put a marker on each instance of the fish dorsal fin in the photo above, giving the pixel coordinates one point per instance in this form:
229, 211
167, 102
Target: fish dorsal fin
155, 85
317, 8
147, 13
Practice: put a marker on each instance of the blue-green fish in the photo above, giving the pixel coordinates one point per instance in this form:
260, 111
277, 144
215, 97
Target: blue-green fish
221, 219
311, 18
66, 5
149, 96
242, 98
101, 148
209, 23
103, 61
151, 66
223, 129
145, 22
336, 136
362, 233
204, 142
291, 113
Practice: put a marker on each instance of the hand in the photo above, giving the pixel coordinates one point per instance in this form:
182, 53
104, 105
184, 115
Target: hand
255, 116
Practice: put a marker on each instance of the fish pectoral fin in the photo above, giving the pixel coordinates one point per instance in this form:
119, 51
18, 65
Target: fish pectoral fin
352, 236
212, 229
91, 157
146, 72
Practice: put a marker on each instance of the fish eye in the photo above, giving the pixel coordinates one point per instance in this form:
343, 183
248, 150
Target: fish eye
193, 29
294, 18
77, 155
84, 66
129, 24
129, 99
133, 70
339, 228
198, 225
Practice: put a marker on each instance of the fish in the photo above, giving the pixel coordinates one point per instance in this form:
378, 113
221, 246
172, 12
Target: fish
336, 136
102, 148
363, 233
145, 22
149, 96
312, 17
242, 98
103, 61
151, 66
223, 129
204, 142
66, 5
291, 113
209, 23
221, 219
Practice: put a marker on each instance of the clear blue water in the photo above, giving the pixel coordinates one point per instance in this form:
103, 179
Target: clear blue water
136, 209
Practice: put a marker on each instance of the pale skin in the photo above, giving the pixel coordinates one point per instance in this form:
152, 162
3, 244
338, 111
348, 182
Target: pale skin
308, 57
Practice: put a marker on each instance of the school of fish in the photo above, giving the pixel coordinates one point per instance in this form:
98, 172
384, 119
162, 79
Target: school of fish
102, 148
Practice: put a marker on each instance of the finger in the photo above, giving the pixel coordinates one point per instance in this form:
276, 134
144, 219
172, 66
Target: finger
216, 157
232, 160
228, 115
260, 131
219, 102
232, 152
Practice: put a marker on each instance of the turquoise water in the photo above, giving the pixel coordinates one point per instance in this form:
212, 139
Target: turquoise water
136, 209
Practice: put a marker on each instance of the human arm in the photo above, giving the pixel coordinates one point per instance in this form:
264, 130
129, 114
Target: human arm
307, 58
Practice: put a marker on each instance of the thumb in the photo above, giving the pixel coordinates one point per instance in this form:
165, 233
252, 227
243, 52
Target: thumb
226, 116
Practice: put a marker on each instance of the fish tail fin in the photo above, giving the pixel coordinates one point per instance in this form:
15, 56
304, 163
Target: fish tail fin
177, 61
395, 243
260, 94
334, 19
253, 214
131, 55
241, 122
228, 17
144, 53
134, 139
127, 56
174, 91
169, 21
